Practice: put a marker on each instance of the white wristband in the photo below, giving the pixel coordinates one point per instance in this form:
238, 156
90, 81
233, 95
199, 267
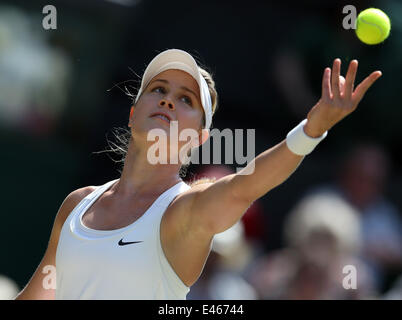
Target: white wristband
299, 142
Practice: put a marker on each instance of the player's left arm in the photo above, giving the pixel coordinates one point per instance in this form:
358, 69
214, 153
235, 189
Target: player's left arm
217, 206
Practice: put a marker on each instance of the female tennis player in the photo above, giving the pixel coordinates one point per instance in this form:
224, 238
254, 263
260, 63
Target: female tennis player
147, 235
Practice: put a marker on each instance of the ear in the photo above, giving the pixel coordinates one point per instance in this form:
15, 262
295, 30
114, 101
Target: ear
131, 115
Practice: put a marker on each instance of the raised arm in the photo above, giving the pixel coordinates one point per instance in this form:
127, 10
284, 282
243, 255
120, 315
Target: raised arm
217, 206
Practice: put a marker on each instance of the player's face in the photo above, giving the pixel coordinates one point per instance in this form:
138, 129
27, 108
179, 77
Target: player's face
174, 93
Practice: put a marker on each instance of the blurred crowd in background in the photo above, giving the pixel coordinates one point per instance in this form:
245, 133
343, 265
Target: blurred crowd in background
63, 90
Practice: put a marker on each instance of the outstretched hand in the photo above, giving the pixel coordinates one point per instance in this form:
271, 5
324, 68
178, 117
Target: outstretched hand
338, 98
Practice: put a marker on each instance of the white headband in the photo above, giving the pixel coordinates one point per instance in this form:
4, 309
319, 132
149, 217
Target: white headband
179, 59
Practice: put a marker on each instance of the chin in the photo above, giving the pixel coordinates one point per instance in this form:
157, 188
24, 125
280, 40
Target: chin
151, 126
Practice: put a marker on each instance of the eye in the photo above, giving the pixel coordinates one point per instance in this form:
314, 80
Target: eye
188, 100
159, 89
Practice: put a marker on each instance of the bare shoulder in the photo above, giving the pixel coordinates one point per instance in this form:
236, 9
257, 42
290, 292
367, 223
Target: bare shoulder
71, 201
198, 188
177, 216
77, 195
185, 198
208, 208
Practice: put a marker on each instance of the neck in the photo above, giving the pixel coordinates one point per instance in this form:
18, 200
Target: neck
141, 177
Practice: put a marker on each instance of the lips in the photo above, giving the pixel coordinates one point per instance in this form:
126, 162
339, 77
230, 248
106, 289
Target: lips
162, 116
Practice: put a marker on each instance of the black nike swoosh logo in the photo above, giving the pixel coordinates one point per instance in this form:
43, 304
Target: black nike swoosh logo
121, 243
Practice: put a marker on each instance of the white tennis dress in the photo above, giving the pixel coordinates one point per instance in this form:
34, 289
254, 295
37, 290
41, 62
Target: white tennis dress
126, 263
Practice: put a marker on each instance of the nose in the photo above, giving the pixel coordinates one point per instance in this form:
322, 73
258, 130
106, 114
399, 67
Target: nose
166, 103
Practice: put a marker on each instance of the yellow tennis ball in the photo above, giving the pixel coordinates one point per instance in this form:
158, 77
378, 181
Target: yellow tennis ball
372, 26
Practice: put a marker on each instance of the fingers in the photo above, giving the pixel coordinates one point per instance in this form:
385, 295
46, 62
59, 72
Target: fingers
350, 78
336, 86
336, 71
326, 84
342, 84
364, 86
